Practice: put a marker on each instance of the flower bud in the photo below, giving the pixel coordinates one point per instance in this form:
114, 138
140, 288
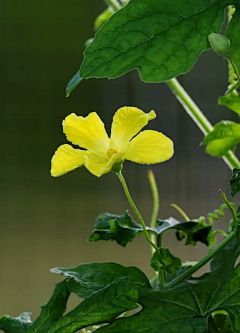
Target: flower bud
220, 44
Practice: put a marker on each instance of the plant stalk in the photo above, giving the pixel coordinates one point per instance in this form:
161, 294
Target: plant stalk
155, 210
198, 117
201, 263
130, 200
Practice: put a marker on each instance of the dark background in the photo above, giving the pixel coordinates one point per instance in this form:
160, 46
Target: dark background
45, 221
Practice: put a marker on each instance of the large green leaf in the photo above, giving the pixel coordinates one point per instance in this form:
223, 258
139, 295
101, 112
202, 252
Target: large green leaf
19, 324
235, 182
224, 137
162, 39
228, 255
90, 277
123, 229
52, 310
186, 308
100, 307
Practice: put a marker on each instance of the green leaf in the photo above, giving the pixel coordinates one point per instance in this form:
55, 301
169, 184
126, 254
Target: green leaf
224, 137
162, 39
75, 80
100, 307
232, 102
185, 308
235, 182
123, 229
120, 228
90, 277
19, 324
166, 261
198, 233
52, 310
228, 255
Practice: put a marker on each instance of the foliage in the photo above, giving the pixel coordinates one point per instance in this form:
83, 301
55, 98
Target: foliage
224, 137
161, 39
235, 182
123, 229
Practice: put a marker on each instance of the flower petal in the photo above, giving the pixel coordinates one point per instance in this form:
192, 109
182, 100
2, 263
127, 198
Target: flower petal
66, 159
87, 132
98, 165
149, 147
127, 122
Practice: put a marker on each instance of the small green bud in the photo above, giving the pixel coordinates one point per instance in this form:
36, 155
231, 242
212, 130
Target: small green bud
220, 44
117, 167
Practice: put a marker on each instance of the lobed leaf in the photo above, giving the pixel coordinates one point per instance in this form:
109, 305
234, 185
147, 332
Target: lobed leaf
187, 307
52, 310
228, 255
90, 277
166, 261
224, 137
100, 307
19, 324
162, 39
123, 229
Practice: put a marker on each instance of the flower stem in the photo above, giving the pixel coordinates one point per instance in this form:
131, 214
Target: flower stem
155, 210
114, 4
201, 263
122, 180
198, 117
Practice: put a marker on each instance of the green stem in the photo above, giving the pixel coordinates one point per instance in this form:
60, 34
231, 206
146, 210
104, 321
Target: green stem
184, 215
233, 87
198, 117
122, 180
201, 263
235, 69
114, 4
155, 210
230, 207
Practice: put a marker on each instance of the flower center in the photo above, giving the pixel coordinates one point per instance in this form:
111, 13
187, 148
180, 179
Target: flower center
111, 152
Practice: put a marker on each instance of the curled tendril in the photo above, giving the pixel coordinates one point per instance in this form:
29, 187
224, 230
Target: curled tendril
215, 215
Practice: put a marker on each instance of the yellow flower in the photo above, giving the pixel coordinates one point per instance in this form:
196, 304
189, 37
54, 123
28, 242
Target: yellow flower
102, 152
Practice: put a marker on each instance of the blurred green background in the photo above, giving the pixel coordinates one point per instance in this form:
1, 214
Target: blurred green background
45, 221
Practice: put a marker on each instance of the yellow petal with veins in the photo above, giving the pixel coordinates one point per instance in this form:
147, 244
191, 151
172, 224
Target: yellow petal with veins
127, 122
149, 147
87, 132
66, 159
